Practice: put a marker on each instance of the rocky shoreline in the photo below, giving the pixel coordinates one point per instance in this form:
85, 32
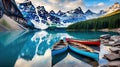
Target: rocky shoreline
112, 30
113, 55
117, 30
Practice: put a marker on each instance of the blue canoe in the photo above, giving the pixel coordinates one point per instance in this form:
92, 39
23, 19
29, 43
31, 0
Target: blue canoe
58, 51
59, 57
92, 55
84, 59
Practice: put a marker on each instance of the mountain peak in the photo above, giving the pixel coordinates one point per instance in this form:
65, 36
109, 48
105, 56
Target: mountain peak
41, 8
79, 8
89, 12
114, 7
78, 11
60, 13
52, 12
102, 12
117, 3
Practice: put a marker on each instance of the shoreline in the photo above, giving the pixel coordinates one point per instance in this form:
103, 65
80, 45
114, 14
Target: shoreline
117, 30
110, 30
110, 50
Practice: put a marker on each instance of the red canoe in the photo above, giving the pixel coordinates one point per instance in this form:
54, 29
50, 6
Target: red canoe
94, 43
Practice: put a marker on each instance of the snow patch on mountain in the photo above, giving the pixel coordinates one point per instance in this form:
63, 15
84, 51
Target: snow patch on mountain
90, 15
29, 12
42, 19
39, 25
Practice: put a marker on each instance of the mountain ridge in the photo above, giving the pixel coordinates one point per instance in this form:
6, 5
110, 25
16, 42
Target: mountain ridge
63, 18
114, 7
106, 22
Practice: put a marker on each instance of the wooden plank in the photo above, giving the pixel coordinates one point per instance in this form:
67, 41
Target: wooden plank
86, 47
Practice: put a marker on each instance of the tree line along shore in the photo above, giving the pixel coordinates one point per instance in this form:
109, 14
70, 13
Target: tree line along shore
110, 21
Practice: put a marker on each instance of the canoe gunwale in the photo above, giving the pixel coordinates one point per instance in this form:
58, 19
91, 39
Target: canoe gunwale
84, 53
58, 51
95, 43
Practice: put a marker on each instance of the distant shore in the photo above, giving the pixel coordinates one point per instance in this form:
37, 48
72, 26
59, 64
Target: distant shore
104, 30
112, 30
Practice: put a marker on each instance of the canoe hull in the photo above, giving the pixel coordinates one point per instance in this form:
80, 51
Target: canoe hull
59, 57
94, 56
55, 52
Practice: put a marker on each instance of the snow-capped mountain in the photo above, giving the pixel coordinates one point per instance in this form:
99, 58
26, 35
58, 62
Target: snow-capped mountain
60, 13
53, 17
102, 12
60, 17
38, 15
29, 13
114, 7
89, 14
78, 11
42, 12
72, 16
51, 12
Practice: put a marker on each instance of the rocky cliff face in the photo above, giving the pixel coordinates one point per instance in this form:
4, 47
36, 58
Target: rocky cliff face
6, 24
61, 18
114, 7
11, 16
1, 13
71, 16
42, 12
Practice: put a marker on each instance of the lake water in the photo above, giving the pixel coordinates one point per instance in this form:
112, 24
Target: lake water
33, 48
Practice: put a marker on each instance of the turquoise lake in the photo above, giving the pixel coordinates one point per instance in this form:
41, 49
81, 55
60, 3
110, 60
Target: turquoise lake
33, 48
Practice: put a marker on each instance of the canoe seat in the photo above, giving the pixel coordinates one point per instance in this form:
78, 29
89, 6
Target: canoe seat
58, 47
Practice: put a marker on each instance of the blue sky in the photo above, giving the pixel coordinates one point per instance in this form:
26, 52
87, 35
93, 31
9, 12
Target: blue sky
97, 5
106, 2
65, 5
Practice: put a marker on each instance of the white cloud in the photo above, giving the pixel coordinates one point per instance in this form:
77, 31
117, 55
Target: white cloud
101, 4
75, 4
57, 5
97, 7
54, 1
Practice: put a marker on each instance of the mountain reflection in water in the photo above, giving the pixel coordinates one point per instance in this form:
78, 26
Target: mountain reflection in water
33, 48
